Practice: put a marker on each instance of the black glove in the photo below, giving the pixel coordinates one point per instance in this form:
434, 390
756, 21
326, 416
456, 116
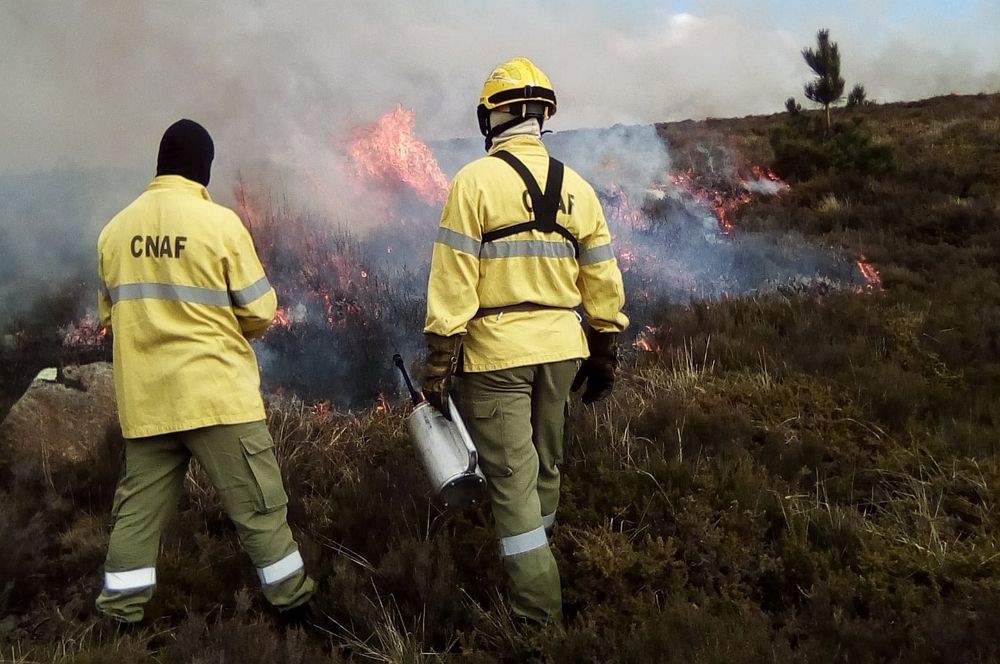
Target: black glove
439, 367
598, 370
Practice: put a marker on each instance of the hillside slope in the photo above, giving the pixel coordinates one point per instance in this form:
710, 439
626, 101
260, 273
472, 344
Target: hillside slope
807, 477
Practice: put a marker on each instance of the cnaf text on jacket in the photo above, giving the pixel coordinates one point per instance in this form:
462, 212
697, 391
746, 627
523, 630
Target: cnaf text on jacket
156, 246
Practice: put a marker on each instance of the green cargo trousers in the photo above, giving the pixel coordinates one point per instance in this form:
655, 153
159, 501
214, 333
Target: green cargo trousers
517, 418
239, 460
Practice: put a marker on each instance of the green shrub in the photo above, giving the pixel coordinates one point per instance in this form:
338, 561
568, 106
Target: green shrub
802, 150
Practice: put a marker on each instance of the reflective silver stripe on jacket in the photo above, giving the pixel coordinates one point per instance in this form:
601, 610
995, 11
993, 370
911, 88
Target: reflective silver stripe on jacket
254, 291
519, 248
596, 255
134, 579
192, 294
281, 570
458, 241
513, 248
529, 541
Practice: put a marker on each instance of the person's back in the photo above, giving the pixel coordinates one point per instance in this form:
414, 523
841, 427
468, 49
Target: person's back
189, 290
522, 244
182, 290
535, 266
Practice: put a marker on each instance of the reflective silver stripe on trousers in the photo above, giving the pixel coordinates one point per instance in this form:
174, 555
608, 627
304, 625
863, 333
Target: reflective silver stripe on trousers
192, 294
519, 248
458, 241
245, 296
529, 541
281, 570
548, 520
134, 579
596, 255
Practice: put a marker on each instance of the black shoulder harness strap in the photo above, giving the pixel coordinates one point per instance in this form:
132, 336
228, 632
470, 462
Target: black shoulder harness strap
544, 205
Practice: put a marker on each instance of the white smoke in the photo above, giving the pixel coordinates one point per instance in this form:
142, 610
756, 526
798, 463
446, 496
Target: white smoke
91, 85
95, 83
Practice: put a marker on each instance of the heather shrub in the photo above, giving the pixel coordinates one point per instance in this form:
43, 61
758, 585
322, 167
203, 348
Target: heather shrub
243, 638
802, 149
19, 557
808, 476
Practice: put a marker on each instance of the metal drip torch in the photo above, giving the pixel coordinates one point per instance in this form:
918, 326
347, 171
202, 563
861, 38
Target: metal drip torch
445, 448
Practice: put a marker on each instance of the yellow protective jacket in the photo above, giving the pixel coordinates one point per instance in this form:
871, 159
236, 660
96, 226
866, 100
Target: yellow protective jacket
182, 289
532, 266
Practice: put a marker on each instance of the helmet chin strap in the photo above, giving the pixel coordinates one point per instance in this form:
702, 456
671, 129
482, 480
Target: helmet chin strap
509, 124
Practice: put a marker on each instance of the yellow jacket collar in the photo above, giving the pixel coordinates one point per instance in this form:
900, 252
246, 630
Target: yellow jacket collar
178, 183
527, 142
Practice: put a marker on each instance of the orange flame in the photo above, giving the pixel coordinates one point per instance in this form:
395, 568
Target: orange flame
389, 151
725, 198
622, 208
871, 274
646, 340
766, 174
281, 319
320, 409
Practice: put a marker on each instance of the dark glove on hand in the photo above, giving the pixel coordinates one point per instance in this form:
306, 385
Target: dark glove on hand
439, 366
598, 370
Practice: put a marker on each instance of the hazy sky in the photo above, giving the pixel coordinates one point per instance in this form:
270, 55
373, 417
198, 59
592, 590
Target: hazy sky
95, 83
88, 86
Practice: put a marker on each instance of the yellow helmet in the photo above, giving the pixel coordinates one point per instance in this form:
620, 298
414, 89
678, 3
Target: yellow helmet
522, 86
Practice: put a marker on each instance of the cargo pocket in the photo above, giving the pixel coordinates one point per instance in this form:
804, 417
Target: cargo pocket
258, 448
487, 416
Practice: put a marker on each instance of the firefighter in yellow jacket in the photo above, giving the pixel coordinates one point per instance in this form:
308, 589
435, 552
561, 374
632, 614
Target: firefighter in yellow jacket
183, 290
523, 243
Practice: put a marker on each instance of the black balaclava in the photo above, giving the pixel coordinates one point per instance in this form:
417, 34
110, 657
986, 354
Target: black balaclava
186, 149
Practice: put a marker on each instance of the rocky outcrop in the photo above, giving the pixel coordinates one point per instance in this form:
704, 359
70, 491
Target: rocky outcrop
63, 421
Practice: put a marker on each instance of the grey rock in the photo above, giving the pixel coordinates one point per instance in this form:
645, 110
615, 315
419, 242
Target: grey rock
60, 425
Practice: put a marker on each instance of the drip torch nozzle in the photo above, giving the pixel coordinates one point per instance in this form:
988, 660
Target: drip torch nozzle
397, 359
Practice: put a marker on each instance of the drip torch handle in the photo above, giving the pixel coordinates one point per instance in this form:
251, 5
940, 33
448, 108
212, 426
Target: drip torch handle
397, 359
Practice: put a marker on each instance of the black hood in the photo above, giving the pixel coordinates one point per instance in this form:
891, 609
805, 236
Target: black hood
186, 149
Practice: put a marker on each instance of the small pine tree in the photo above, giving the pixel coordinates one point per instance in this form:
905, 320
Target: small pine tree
793, 107
828, 87
857, 96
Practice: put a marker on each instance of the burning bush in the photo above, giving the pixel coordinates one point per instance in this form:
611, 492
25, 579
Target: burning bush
349, 301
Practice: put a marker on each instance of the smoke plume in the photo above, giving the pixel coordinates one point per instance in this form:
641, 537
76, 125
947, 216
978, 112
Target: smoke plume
90, 86
94, 83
